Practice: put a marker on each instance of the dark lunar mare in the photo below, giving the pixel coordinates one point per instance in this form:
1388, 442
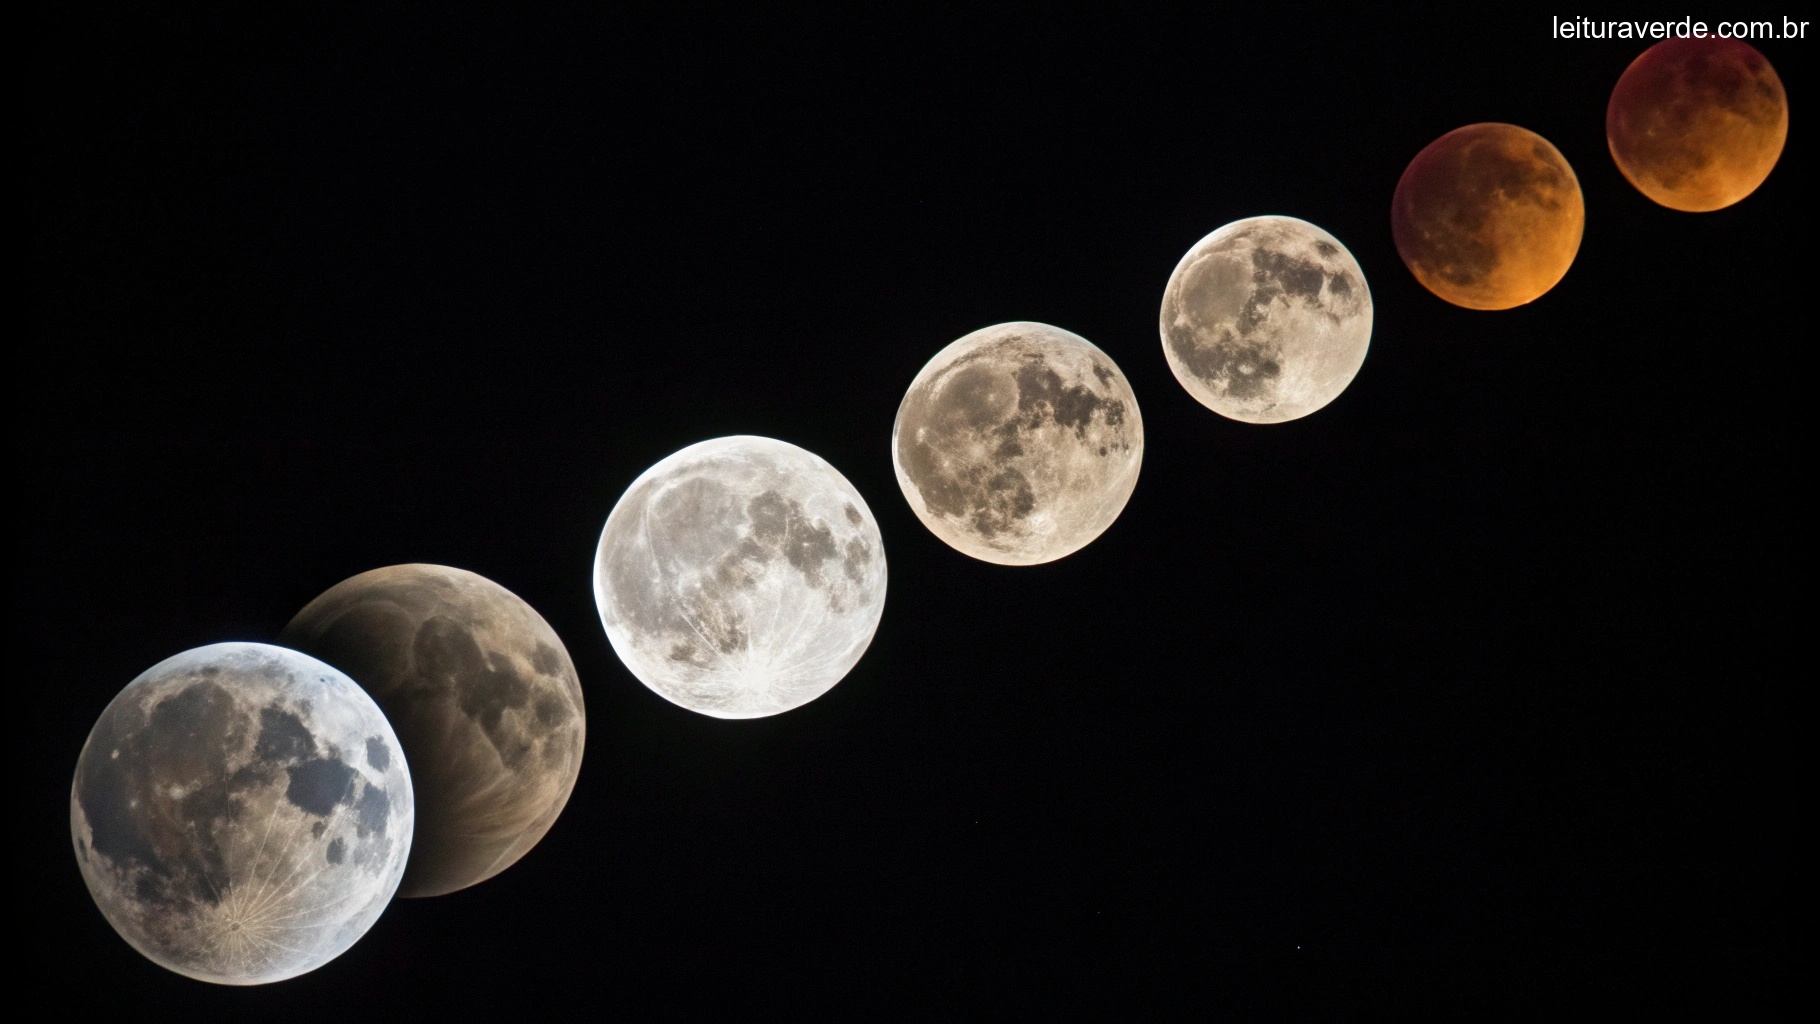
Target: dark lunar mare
485, 700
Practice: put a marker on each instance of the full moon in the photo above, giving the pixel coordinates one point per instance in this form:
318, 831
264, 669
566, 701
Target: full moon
485, 701
1266, 320
1018, 444
740, 577
1488, 216
1697, 124
241, 813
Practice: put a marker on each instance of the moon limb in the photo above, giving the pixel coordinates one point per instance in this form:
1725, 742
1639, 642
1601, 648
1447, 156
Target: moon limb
1018, 444
1266, 319
485, 699
241, 813
740, 577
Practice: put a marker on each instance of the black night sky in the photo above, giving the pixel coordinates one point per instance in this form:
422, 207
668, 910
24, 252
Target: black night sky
1474, 690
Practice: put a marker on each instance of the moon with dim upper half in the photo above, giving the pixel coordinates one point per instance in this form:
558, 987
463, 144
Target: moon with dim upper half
241, 813
1697, 124
1266, 319
1488, 216
1018, 444
740, 577
485, 701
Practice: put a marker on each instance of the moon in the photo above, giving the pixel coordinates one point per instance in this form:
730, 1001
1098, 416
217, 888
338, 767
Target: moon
1697, 124
1018, 444
1488, 216
740, 577
1266, 319
241, 813
485, 701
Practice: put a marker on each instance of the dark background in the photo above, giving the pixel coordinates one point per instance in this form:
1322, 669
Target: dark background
1470, 690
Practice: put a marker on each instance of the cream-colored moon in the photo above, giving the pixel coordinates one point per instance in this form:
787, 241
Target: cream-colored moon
1266, 319
740, 577
1018, 444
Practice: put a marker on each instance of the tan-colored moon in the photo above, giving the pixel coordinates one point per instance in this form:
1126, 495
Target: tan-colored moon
1018, 444
485, 700
1266, 319
1488, 216
1697, 124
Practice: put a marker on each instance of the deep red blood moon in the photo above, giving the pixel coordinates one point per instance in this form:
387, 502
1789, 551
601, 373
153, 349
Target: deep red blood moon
1697, 124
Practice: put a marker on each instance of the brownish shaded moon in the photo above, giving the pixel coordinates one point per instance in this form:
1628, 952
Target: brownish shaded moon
483, 697
1488, 216
1697, 124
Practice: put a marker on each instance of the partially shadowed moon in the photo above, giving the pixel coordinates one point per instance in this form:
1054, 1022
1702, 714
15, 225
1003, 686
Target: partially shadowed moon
1488, 216
1266, 320
1018, 444
241, 813
485, 700
740, 577
1697, 124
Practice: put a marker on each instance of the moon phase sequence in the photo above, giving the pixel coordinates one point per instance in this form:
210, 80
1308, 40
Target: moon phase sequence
1266, 319
1488, 216
241, 813
1697, 124
1018, 444
740, 577
485, 701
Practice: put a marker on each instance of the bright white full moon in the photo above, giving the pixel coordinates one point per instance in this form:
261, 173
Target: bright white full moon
740, 577
1018, 444
1266, 320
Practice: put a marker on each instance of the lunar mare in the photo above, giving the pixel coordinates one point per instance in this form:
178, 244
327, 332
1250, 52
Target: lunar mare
740, 577
241, 813
1697, 124
1266, 319
1018, 444
485, 700
1488, 216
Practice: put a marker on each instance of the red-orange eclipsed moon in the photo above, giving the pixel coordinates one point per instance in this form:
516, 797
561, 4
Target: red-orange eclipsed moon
1488, 216
1697, 124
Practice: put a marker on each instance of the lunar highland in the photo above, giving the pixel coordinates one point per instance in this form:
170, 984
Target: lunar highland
485, 700
740, 577
241, 813
1266, 319
1018, 444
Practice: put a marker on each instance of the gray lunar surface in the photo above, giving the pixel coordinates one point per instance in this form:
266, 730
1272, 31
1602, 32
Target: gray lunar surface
1266, 319
485, 701
1018, 444
740, 577
241, 813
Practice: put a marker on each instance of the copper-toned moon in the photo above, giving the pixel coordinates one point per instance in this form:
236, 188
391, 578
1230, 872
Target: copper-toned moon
1697, 124
1488, 216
